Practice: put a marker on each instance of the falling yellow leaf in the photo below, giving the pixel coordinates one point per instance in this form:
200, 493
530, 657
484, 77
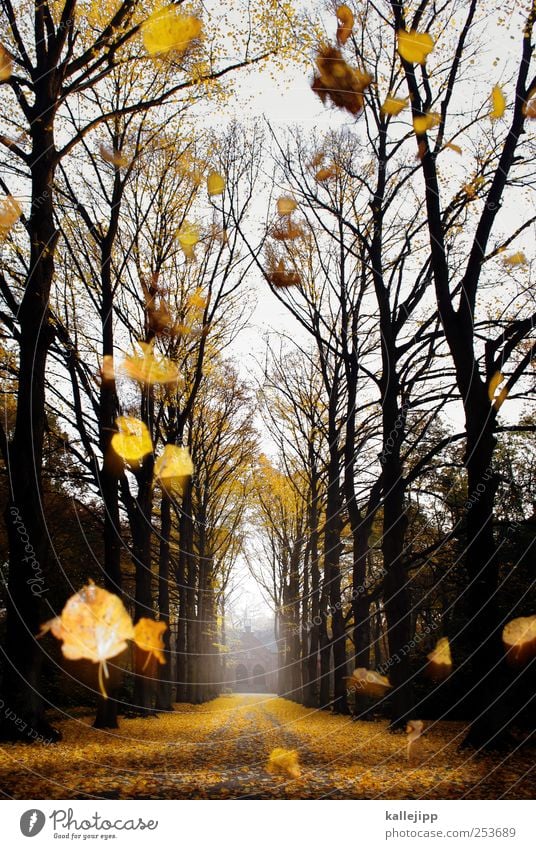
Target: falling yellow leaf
167, 29
94, 625
414, 46
494, 384
283, 762
338, 82
10, 212
451, 146
286, 205
173, 468
133, 440
288, 232
414, 729
188, 236
149, 368
439, 664
149, 637
529, 109
6, 64
368, 682
423, 123
113, 156
518, 258
498, 103
519, 640
281, 278
394, 105
107, 369
345, 19
325, 174
215, 184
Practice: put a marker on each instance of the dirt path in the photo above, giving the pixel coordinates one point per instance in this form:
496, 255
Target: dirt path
219, 750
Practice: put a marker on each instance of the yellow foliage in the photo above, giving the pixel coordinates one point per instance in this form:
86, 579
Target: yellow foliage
518, 258
113, 156
283, 762
133, 441
168, 30
423, 123
414, 46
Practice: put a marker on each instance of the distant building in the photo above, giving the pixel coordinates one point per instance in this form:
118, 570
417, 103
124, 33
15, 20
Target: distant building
252, 664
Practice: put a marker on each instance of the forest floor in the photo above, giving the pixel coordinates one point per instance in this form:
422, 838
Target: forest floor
219, 750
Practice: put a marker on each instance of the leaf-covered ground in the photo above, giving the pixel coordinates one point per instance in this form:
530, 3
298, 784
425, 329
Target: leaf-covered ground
220, 750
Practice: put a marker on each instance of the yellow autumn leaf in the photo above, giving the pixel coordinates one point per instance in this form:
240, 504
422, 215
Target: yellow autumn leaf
423, 123
133, 440
149, 368
439, 664
283, 762
414, 46
325, 174
94, 625
286, 205
107, 369
173, 468
501, 398
215, 184
519, 640
529, 109
279, 277
394, 105
414, 729
10, 212
149, 637
518, 258
369, 682
167, 29
451, 146
197, 300
188, 236
498, 103
345, 20
6, 64
494, 384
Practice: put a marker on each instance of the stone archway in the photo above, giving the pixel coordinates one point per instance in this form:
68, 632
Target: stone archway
242, 679
258, 682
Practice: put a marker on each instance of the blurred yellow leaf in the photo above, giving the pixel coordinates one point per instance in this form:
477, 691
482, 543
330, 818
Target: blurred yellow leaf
149, 637
394, 105
6, 63
94, 625
439, 664
498, 103
10, 212
149, 368
519, 640
423, 123
414, 46
215, 184
113, 156
283, 762
188, 236
345, 19
368, 682
173, 468
167, 29
286, 205
518, 258
133, 441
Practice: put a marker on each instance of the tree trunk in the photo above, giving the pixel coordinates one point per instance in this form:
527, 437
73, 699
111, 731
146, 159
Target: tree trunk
163, 691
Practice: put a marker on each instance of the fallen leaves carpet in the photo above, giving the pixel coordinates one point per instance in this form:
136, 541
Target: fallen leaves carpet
220, 749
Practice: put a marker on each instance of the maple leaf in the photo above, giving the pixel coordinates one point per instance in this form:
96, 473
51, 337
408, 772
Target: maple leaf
283, 762
94, 625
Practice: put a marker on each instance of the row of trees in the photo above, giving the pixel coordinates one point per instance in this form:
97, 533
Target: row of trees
415, 296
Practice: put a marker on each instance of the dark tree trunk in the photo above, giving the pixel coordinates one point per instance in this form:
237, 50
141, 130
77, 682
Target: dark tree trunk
163, 691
